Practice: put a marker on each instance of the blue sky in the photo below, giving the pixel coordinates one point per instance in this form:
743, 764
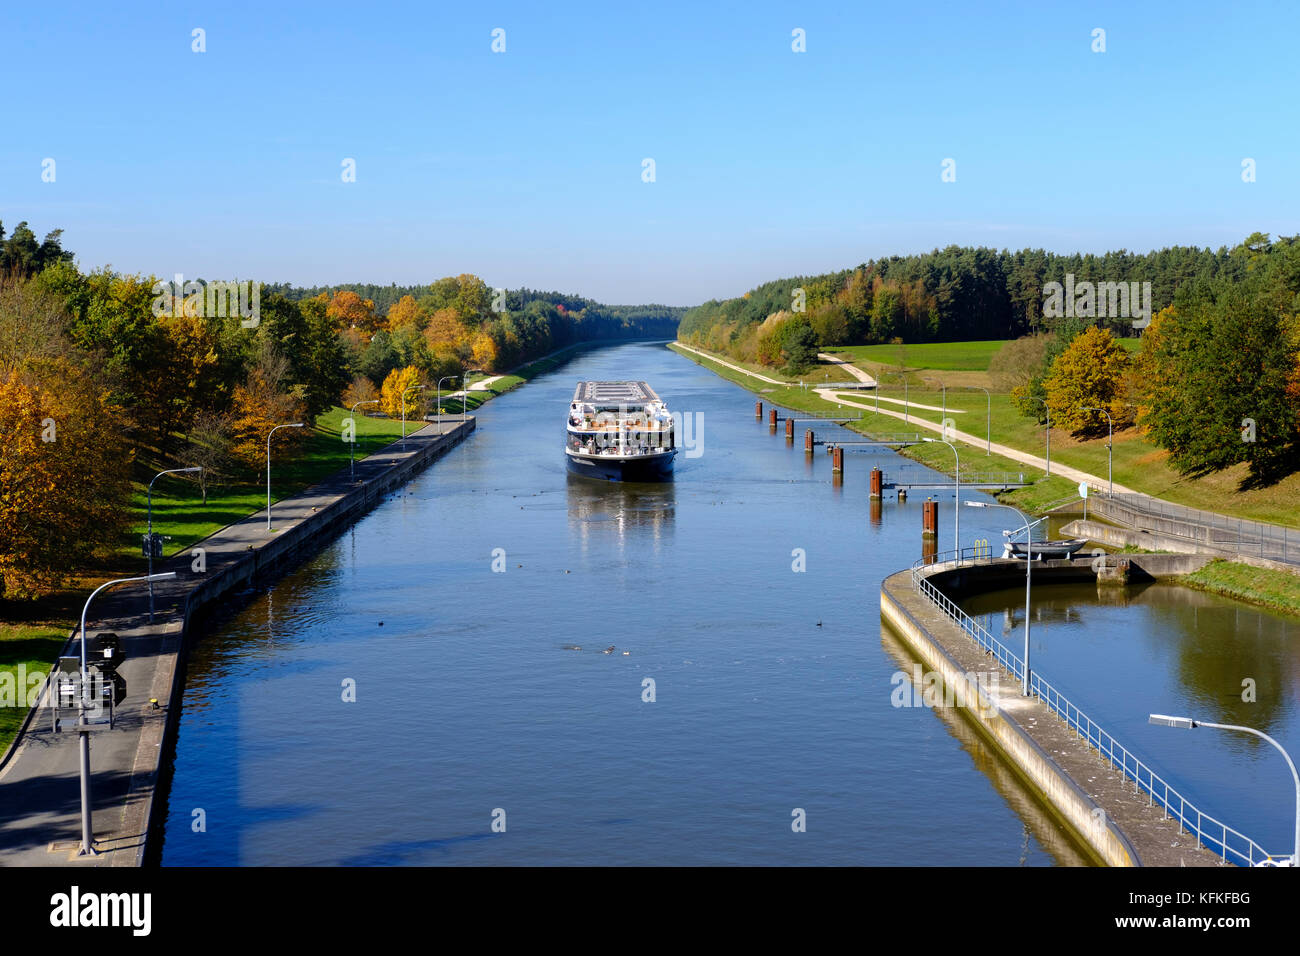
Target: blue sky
525, 167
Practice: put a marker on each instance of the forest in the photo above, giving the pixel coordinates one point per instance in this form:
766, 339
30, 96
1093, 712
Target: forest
947, 295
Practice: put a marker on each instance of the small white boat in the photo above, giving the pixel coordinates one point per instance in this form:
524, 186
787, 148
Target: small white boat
1043, 550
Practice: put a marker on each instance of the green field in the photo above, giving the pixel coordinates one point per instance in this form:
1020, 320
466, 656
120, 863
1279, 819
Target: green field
939, 356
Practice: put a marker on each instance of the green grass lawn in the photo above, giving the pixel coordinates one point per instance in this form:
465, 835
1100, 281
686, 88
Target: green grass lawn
178, 508
938, 356
1276, 589
942, 356
27, 647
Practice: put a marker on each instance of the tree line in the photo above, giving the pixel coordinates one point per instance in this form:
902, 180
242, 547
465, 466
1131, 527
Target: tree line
946, 295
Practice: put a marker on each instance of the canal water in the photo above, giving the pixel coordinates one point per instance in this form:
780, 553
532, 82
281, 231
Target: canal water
1123, 654
439, 670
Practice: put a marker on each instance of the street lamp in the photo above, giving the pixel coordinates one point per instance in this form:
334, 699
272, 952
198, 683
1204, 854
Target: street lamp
83, 725
1029, 563
404, 391
1048, 411
1110, 443
149, 536
945, 395
1187, 723
988, 419
440, 381
352, 468
268, 468
956, 513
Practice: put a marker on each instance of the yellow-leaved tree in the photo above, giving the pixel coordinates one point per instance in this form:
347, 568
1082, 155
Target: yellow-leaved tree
402, 380
65, 477
1090, 373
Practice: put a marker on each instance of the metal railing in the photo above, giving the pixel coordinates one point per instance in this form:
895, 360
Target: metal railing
918, 476
1215, 836
1202, 527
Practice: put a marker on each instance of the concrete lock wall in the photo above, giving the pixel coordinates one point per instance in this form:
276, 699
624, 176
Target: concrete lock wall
1045, 777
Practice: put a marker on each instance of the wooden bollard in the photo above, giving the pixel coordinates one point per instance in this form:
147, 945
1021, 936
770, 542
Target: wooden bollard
837, 462
771, 418
929, 518
808, 441
789, 429
877, 484
758, 409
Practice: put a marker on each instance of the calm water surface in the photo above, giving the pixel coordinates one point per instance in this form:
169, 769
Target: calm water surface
772, 687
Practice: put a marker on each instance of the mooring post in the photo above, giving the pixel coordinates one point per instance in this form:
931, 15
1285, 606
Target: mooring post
808, 442
877, 484
789, 429
771, 418
929, 518
837, 462
758, 409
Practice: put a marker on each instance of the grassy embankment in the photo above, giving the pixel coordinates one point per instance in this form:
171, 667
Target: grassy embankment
1275, 589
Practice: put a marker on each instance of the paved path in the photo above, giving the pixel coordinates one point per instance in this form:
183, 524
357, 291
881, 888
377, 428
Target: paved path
712, 358
480, 386
40, 808
849, 367
1074, 474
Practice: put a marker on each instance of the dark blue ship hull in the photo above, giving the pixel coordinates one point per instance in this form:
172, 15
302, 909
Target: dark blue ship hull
611, 468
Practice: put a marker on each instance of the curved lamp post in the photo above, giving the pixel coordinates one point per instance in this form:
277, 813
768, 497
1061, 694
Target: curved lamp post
352, 446
149, 536
1187, 723
268, 468
956, 512
988, 419
83, 725
440, 381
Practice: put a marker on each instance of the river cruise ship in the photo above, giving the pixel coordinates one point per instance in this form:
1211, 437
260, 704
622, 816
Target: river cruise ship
619, 431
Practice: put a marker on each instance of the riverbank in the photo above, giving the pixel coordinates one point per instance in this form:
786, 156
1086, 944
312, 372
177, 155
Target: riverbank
40, 816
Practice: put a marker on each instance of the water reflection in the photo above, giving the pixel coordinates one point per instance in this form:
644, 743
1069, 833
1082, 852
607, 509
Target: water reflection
620, 510
1121, 653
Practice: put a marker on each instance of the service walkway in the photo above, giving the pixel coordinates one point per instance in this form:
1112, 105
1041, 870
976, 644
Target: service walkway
40, 797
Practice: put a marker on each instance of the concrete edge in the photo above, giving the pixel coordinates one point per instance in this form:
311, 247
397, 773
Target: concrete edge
1041, 773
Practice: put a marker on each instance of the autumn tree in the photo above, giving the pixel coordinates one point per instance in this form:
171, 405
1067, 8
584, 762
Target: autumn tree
361, 389
1089, 373
397, 383
349, 311
65, 471
406, 314
258, 405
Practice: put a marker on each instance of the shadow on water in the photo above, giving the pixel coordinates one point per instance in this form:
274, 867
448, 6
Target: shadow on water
1050, 833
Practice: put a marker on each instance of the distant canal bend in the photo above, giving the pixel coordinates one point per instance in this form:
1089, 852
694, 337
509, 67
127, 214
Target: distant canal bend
486, 695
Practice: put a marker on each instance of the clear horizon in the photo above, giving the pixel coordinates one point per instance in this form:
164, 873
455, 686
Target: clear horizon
525, 167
